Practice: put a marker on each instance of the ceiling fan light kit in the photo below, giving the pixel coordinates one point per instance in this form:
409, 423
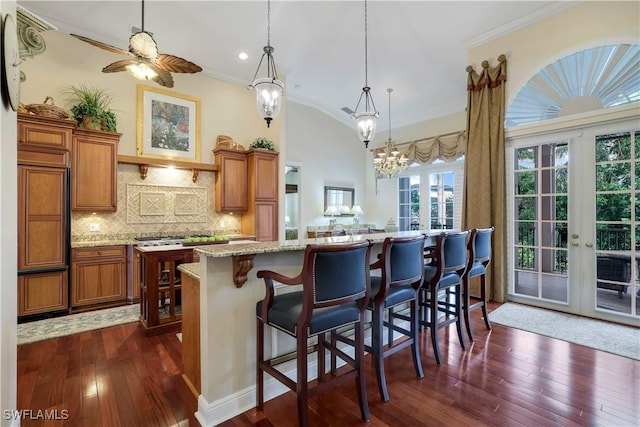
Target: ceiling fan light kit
269, 90
145, 62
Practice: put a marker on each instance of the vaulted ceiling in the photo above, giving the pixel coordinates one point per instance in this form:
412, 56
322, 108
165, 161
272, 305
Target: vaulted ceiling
418, 48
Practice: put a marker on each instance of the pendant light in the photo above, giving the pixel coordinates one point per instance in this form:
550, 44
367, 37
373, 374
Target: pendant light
269, 90
366, 120
388, 161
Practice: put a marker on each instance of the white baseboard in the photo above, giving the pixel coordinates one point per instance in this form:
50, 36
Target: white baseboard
210, 414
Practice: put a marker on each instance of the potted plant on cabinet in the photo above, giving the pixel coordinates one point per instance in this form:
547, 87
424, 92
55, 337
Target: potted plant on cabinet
262, 143
90, 108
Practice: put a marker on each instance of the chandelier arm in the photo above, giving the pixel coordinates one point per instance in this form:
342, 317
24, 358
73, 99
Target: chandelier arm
272, 65
258, 69
358, 104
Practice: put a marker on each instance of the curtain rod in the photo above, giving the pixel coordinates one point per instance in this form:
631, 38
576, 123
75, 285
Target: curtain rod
458, 132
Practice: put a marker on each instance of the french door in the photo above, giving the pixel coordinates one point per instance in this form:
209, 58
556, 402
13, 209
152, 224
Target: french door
575, 210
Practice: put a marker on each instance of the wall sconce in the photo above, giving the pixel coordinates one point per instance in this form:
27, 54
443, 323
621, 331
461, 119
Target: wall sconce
356, 210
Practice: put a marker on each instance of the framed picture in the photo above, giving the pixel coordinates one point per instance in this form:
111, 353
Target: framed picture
168, 125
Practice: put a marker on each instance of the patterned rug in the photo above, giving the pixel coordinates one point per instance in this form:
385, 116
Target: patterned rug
41, 330
606, 336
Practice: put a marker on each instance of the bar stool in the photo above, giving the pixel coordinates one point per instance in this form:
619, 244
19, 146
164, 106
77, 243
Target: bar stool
401, 264
335, 292
442, 281
479, 259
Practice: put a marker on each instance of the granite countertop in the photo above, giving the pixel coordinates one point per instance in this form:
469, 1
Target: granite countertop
191, 269
131, 241
221, 251
95, 243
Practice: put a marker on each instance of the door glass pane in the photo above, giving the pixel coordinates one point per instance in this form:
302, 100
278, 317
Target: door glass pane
617, 213
541, 206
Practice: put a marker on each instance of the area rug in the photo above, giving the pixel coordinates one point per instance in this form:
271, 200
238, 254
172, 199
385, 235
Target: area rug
41, 330
610, 337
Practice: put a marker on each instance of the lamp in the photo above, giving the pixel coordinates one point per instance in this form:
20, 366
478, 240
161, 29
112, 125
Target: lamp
356, 210
366, 120
269, 90
332, 210
386, 161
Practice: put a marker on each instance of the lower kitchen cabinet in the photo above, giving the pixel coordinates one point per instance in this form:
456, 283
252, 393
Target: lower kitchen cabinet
42, 292
99, 276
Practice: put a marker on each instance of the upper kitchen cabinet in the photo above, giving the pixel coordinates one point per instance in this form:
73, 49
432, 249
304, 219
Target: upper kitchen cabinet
44, 141
94, 170
231, 180
261, 218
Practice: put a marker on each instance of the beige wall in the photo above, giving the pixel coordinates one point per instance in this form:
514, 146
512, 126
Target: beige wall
226, 109
587, 25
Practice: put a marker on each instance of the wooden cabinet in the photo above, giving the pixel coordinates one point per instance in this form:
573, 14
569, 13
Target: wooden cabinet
43, 212
94, 184
261, 218
231, 180
42, 217
98, 276
161, 288
42, 292
44, 141
135, 287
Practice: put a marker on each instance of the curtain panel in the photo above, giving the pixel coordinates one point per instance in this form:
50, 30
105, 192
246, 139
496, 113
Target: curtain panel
484, 194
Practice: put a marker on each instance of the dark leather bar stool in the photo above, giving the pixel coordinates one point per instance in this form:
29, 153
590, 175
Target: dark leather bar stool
402, 267
442, 282
480, 243
335, 292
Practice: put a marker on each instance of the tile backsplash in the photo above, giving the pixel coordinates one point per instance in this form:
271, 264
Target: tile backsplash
167, 202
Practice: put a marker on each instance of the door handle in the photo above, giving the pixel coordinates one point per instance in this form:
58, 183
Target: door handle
574, 243
589, 244
575, 236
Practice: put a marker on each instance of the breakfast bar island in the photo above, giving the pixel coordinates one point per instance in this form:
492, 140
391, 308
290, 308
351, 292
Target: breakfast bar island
228, 292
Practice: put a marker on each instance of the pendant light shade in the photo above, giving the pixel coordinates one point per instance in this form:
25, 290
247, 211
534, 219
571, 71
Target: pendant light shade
366, 120
269, 90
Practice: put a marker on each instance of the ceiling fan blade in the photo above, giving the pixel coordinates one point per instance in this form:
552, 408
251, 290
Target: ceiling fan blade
163, 78
118, 66
142, 44
176, 64
103, 45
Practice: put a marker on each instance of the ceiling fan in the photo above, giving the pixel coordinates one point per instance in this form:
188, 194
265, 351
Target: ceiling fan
145, 62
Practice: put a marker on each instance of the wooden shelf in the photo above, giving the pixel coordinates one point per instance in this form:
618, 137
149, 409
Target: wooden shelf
144, 163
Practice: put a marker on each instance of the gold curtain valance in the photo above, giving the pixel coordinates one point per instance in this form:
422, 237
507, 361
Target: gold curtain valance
491, 77
449, 146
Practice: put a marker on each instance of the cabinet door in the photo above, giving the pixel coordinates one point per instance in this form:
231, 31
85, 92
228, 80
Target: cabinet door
266, 222
38, 133
94, 171
231, 181
136, 276
42, 292
41, 217
98, 282
266, 177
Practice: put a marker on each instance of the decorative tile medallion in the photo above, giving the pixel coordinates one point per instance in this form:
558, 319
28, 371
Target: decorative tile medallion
151, 203
186, 204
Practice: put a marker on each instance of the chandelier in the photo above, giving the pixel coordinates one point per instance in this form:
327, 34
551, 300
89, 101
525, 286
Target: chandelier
366, 120
388, 161
269, 90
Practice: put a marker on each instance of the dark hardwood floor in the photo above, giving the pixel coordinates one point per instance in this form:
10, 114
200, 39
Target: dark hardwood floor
119, 377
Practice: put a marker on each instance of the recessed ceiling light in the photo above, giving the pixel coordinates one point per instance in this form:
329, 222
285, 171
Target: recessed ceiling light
243, 56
